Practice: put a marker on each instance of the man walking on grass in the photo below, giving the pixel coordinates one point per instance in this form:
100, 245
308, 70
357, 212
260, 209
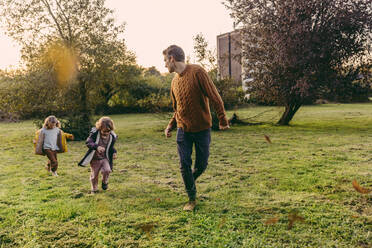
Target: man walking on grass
191, 91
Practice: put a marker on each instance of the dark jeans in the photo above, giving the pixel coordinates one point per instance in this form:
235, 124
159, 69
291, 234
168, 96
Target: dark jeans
185, 142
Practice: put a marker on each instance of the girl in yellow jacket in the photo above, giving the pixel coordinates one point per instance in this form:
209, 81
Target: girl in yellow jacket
51, 140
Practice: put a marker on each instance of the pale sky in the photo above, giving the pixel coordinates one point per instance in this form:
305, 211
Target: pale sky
153, 25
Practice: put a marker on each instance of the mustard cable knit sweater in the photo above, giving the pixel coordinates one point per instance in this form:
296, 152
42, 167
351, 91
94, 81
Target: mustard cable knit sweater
191, 92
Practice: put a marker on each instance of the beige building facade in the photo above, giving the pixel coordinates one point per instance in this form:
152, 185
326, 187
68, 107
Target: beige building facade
229, 56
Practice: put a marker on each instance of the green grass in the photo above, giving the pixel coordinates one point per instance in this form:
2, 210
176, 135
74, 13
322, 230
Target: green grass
307, 169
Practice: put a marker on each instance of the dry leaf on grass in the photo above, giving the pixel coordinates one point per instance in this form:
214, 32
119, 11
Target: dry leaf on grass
272, 221
222, 223
292, 218
147, 228
359, 188
267, 138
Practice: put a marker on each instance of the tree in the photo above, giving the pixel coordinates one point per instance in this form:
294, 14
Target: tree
296, 47
84, 28
20, 96
152, 71
205, 56
113, 81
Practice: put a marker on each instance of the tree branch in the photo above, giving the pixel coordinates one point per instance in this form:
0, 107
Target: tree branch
46, 3
70, 38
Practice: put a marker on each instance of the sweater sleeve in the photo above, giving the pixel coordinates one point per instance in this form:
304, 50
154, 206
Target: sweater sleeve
209, 89
173, 123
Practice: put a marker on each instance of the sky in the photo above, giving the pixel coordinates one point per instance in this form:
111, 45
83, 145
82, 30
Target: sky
153, 25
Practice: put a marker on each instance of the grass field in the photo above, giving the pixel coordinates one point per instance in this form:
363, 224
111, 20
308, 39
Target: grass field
307, 171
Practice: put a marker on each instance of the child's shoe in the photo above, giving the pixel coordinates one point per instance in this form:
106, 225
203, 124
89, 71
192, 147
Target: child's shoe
104, 186
54, 173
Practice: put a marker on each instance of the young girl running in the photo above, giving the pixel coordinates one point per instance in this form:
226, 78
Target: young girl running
51, 140
101, 152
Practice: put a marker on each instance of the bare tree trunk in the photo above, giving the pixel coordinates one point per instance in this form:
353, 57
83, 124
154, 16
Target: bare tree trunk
290, 111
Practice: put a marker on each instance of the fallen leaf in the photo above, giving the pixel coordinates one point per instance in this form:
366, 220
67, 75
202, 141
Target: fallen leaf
360, 189
147, 228
267, 138
272, 221
292, 218
158, 199
222, 223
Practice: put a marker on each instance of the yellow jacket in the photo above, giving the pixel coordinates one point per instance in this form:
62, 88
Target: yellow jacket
66, 136
38, 143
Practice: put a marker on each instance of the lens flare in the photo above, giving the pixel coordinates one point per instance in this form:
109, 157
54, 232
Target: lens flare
64, 61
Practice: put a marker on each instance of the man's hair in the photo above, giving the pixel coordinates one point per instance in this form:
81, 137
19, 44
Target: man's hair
176, 52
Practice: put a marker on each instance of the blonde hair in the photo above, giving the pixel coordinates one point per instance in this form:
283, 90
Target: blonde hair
105, 122
49, 120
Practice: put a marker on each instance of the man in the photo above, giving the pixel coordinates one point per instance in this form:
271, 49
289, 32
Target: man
191, 91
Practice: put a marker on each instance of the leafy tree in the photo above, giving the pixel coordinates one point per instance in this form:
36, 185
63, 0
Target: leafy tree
85, 29
205, 56
294, 48
354, 86
152, 71
114, 80
149, 93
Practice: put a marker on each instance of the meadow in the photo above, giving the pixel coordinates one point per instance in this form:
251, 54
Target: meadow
293, 192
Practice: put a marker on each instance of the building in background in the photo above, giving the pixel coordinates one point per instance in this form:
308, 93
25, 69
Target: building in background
229, 56
229, 60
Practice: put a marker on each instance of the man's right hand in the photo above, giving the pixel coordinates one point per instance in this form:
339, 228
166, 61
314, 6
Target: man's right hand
167, 132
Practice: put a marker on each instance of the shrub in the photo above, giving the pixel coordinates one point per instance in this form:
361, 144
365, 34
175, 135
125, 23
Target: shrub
231, 92
155, 103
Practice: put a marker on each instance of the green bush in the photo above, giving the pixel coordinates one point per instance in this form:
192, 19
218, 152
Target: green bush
354, 86
79, 125
35, 95
231, 92
150, 94
155, 103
